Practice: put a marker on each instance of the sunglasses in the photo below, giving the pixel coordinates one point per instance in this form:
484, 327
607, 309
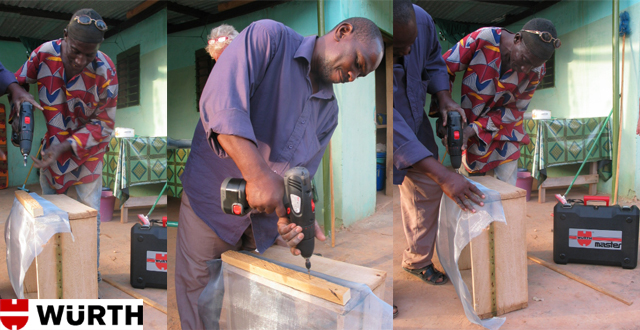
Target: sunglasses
546, 37
219, 39
86, 20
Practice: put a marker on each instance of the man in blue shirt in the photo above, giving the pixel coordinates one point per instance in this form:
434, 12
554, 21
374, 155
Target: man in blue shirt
419, 69
268, 106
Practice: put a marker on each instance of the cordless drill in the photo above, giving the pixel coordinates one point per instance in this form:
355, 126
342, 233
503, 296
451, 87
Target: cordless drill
298, 201
454, 138
22, 134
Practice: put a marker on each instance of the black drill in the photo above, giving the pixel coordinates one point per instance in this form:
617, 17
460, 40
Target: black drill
454, 138
298, 200
22, 135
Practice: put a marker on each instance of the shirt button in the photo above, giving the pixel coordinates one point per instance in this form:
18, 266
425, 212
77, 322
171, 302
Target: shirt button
290, 146
304, 121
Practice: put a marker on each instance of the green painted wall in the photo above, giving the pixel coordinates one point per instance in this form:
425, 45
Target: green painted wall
354, 139
150, 117
13, 55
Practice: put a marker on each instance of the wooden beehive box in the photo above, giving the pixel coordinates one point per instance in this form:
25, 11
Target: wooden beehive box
323, 295
499, 256
66, 268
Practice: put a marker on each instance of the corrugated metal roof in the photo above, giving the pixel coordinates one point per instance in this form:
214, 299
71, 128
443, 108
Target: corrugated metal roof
14, 25
468, 11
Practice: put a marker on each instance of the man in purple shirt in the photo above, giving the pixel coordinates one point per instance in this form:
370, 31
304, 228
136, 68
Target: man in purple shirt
268, 106
419, 69
9, 85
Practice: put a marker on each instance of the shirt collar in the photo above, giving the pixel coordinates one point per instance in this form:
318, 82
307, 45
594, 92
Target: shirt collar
305, 51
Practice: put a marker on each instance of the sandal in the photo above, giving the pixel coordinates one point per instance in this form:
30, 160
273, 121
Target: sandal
429, 275
395, 311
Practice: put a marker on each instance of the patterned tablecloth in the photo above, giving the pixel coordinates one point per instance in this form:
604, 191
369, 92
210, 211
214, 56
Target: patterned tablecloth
556, 142
177, 159
134, 161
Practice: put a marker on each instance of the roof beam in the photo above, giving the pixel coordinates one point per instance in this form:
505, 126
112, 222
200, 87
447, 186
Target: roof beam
148, 12
526, 4
181, 9
227, 14
510, 19
32, 12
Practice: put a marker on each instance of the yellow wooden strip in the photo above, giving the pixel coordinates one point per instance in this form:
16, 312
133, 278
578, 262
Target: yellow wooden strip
289, 277
29, 203
136, 295
580, 280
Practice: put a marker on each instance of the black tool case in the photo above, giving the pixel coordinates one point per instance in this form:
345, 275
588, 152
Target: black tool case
599, 235
148, 256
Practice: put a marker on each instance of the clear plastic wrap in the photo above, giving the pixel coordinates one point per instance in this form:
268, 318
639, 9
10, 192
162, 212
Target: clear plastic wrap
455, 230
246, 301
26, 236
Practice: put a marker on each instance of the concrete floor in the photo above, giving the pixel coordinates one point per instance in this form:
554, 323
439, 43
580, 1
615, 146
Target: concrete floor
115, 238
367, 243
561, 303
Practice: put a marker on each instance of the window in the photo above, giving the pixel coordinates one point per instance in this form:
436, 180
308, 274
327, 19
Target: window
548, 80
128, 69
204, 64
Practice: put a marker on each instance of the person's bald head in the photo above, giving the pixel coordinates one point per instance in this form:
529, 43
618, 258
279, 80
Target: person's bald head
405, 30
352, 49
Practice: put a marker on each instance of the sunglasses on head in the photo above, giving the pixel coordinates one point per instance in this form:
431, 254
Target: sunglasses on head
546, 37
86, 20
219, 39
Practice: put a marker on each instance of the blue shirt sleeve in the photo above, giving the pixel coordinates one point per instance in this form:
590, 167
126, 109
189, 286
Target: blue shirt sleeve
434, 62
225, 101
407, 149
6, 78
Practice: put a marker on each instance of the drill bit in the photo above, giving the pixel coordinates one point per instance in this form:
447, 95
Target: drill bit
307, 264
25, 160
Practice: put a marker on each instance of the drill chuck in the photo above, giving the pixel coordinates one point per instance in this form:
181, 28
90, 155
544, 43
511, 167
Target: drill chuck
454, 138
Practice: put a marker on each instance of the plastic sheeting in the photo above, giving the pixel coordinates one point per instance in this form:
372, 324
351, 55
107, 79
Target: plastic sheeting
247, 301
26, 236
455, 230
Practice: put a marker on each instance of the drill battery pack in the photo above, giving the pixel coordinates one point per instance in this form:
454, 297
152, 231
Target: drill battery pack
596, 234
148, 266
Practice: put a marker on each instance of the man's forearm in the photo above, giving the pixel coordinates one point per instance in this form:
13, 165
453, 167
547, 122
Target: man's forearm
245, 154
433, 169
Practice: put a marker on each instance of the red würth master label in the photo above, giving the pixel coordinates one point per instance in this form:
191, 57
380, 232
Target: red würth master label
595, 239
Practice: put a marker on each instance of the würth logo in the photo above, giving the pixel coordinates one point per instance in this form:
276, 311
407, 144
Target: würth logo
51, 314
14, 313
595, 239
157, 261
584, 238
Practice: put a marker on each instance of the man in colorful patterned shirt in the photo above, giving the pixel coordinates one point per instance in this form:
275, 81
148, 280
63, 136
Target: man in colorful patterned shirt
77, 87
501, 72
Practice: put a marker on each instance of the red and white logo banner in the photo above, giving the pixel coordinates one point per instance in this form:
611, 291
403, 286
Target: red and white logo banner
157, 261
595, 239
19, 314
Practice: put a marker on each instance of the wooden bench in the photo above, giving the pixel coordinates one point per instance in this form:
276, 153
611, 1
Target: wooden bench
66, 268
140, 202
559, 182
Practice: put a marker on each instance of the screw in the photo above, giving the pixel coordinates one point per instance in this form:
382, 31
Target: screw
140, 238
562, 256
563, 216
140, 280
627, 260
629, 220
